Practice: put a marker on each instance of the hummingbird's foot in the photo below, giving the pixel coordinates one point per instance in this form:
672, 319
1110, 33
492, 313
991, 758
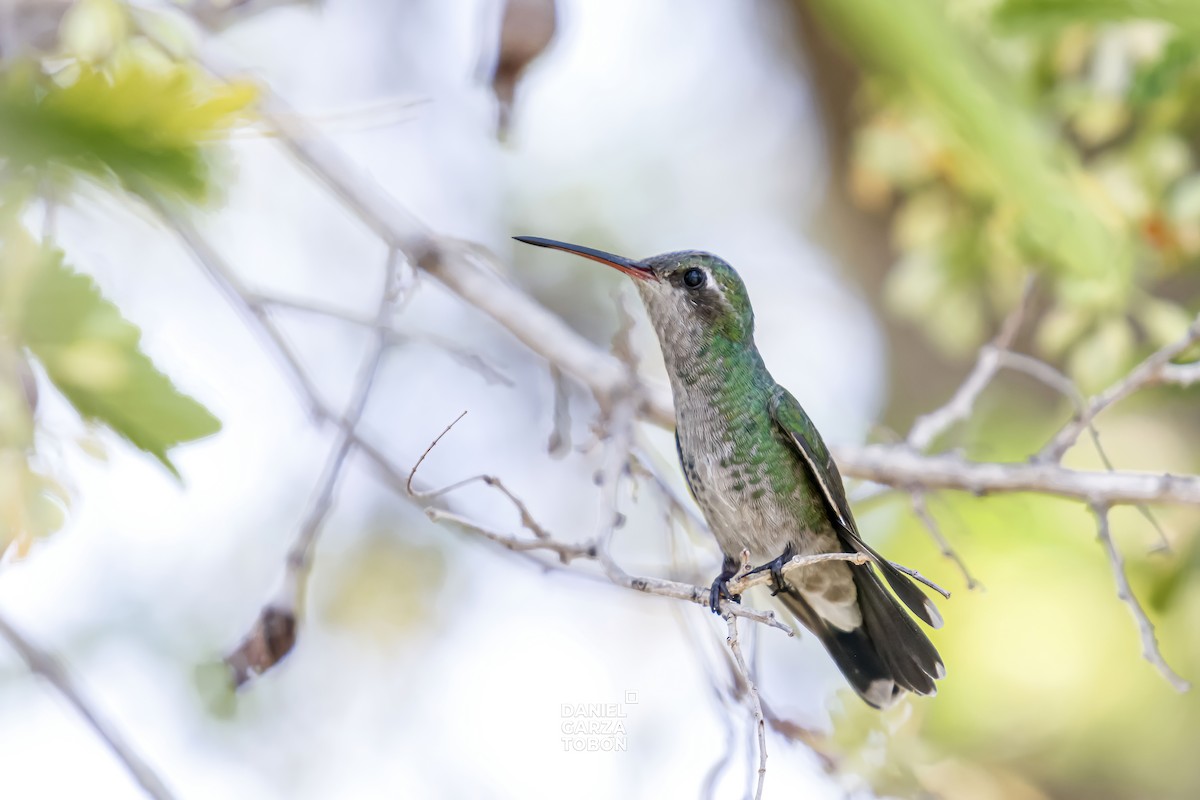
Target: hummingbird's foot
720, 586
776, 569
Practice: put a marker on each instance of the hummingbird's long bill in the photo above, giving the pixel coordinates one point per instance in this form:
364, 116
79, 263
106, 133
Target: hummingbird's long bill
630, 267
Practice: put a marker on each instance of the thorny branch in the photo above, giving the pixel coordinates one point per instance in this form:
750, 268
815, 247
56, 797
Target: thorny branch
47, 666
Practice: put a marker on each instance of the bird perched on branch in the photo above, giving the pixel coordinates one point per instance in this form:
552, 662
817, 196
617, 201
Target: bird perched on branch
765, 480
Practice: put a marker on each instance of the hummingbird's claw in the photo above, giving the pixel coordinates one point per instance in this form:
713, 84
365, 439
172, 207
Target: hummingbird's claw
720, 589
776, 569
720, 586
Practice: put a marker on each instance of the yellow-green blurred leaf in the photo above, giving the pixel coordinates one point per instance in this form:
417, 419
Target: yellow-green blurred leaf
144, 124
92, 355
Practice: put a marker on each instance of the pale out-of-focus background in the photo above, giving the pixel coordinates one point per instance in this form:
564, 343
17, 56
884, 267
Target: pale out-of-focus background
882, 215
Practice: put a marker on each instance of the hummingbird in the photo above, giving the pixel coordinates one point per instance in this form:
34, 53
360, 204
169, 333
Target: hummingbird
765, 481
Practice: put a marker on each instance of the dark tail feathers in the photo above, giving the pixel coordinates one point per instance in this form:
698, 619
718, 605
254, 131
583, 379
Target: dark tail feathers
886, 655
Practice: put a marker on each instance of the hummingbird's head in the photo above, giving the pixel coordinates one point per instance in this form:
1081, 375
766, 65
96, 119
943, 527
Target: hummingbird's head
691, 296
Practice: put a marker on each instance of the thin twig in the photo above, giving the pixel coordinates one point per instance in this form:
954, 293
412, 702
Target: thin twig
1048, 375
273, 634
596, 549
760, 722
472, 361
1150, 372
587, 551
527, 519
1150, 649
929, 427
214, 266
921, 509
48, 667
616, 460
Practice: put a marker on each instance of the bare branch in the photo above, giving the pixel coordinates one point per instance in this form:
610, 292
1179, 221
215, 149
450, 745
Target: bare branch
616, 459
1150, 649
48, 667
930, 426
699, 595
921, 509
912, 573
595, 549
1180, 374
756, 710
1048, 375
1154, 370
472, 361
238, 296
901, 468
274, 633
308, 306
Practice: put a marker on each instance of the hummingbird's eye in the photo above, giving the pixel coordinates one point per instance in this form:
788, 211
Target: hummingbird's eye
693, 278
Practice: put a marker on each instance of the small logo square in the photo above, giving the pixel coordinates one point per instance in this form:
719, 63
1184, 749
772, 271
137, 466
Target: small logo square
631, 698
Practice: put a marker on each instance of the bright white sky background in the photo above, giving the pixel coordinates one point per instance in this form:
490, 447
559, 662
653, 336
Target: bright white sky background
649, 126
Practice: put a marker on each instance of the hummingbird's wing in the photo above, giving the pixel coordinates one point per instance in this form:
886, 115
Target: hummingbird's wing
789, 416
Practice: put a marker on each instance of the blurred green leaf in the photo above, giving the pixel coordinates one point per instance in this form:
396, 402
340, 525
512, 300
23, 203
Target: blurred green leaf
1160, 77
1025, 15
143, 123
1061, 217
91, 353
